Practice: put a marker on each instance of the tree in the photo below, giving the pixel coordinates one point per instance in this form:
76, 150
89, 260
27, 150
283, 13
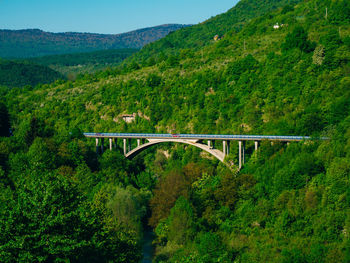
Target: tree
127, 209
237, 68
153, 80
331, 42
293, 255
4, 121
165, 195
181, 222
232, 188
298, 38
318, 55
36, 128
339, 12
211, 249
286, 9
48, 220
39, 155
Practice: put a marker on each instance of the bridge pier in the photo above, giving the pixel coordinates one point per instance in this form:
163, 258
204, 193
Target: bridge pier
110, 144
124, 142
209, 144
256, 144
240, 154
226, 147
97, 150
138, 142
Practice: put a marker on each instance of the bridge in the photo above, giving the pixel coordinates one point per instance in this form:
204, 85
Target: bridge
205, 142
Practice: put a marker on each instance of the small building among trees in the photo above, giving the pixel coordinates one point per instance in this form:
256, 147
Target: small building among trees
128, 118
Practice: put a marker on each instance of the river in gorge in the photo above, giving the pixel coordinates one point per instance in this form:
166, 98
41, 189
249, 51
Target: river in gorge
147, 248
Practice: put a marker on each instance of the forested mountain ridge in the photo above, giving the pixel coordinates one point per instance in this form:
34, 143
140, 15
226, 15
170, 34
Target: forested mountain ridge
287, 204
34, 42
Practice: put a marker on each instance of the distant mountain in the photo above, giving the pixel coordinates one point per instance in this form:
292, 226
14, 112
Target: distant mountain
34, 42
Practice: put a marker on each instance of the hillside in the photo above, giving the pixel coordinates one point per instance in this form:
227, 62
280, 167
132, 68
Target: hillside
81, 63
289, 203
203, 34
35, 42
19, 74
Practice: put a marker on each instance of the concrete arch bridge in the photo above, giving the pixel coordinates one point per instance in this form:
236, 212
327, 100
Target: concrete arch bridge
205, 142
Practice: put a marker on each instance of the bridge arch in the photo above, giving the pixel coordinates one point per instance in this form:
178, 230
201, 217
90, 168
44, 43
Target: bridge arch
192, 139
216, 153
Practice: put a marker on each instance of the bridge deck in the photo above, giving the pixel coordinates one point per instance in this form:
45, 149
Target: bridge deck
200, 136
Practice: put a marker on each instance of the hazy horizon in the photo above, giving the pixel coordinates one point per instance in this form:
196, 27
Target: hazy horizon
22, 29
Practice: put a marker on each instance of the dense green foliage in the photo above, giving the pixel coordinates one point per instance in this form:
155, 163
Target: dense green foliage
80, 63
289, 203
34, 42
19, 74
298, 39
202, 34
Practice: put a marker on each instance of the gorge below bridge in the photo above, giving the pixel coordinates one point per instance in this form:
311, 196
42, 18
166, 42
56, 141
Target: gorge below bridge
205, 142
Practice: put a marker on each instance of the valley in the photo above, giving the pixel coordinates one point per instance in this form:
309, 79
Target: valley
276, 68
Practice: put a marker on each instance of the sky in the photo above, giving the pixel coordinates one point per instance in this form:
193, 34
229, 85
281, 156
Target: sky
105, 16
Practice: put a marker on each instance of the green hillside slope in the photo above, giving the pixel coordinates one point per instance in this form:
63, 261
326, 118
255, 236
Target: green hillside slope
19, 74
289, 203
80, 63
203, 34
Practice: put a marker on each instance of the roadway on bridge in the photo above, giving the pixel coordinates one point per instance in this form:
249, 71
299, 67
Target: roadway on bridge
199, 136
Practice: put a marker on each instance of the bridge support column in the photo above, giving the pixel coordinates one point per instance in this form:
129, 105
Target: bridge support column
102, 142
97, 150
110, 144
209, 144
243, 152
240, 154
224, 147
256, 144
124, 142
138, 142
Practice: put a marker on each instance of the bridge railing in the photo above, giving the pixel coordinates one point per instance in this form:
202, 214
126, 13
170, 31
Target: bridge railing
203, 136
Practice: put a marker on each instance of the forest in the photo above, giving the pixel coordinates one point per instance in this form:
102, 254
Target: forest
60, 201
29, 43
24, 73
72, 65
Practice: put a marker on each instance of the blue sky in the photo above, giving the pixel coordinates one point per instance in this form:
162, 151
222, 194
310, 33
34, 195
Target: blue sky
105, 16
